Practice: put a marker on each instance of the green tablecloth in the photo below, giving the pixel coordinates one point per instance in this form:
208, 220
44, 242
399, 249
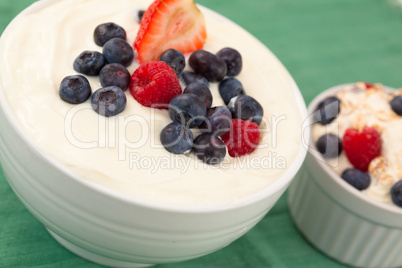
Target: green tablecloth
322, 43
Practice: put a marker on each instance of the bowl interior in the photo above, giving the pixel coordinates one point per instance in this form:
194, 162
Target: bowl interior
276, 186
319, 159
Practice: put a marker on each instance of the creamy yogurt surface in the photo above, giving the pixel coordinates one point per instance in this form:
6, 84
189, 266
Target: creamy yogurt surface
123, 153
369, 107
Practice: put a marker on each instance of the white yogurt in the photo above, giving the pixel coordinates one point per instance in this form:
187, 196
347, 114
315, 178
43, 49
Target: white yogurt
123, 153
361, 107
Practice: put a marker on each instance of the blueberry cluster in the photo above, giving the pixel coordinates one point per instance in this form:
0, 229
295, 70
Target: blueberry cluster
222, 67
110, 66
193, 108
190, 110
330, 145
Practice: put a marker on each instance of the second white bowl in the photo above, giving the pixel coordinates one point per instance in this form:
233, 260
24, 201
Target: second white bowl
338, 219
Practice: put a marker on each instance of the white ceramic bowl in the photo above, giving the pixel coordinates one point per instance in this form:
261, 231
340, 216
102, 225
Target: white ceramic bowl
338, 219
114, 230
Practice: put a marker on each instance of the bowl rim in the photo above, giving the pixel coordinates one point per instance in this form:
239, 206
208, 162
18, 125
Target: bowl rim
319, 159
276, 186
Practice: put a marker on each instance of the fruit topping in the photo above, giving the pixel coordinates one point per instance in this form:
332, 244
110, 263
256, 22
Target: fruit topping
174, 59
89, 63
396, 193
115, 74
187, 109
396, 105
177, 24
327, 110
202, 91
233, 60
176, 138
218, 121
190, 77
117, 50
209, 148
368, 85
246, 108
361, 147
106, 31
329, 145
242, 138
75, 89
154, 84
229, 88
356, 178
209, 65
109, 101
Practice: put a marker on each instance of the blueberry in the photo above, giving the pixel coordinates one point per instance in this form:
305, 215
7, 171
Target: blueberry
106, 31
202, 91
176, 138
174, 59
89, 63
75, 89
233, 60
140, 14
117, 50
208, 65
356, 178
246, 108
327, 110
218, 121
187, 109
109, 101
190, 77
396, 193
329, 145
396, 105
229, 88
115, 74
209, 148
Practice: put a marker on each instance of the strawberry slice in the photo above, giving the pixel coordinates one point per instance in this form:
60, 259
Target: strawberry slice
177, 24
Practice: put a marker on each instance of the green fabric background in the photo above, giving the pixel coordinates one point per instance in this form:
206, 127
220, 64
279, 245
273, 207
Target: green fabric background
322, 43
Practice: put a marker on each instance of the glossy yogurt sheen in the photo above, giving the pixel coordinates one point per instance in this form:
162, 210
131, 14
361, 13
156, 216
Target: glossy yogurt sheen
123, 153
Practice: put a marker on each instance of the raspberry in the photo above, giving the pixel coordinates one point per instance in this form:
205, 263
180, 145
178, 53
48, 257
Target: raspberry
369, 85
154, 83
365, 85
361, 147
242, 138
